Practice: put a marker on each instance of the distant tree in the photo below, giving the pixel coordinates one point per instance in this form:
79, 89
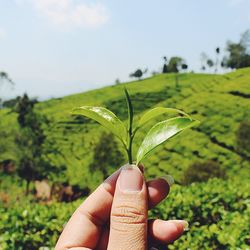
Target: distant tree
107, 156
239, 53
137, 74
165, 67
202, 171
4, 78
210, 63
30, 140
184, 66
217, 50
117, 81
203, 58
174, 64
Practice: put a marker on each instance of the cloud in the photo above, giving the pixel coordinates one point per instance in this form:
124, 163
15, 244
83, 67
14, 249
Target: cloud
68, 14
2, 33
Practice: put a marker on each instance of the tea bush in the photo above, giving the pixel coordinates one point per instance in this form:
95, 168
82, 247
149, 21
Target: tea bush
218, 212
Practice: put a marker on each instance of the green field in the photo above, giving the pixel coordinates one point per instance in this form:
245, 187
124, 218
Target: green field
218, 210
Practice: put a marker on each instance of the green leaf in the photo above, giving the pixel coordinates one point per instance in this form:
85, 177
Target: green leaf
152, 113
130, 110
130, 126
105, 117
161, 132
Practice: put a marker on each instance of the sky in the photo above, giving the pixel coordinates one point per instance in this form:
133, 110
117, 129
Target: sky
53, 48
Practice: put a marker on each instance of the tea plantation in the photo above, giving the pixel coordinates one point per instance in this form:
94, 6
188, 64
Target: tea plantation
218, 209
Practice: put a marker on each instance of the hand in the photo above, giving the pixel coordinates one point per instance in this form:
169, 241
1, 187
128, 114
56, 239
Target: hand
115, 216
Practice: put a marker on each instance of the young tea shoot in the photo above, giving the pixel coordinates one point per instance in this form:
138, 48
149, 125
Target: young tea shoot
157, 135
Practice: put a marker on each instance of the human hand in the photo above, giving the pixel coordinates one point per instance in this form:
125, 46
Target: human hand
115, 216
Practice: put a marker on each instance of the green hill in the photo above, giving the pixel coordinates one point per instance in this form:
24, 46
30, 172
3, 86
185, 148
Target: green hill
218, 210
220, 102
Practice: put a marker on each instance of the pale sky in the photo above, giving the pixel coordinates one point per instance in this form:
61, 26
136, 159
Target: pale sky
54, 48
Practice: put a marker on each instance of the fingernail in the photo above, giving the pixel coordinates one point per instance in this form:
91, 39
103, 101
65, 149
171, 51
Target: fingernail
130, 179
169, 179
184, 224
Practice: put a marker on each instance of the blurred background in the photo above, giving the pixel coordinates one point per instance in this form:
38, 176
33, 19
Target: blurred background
57, 55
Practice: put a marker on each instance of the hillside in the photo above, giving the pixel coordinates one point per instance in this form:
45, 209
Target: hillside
220, 102
218, 210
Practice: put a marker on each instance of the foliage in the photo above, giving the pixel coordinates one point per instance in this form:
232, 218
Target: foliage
30, 140
239, 54
218, 210
107, 156
175, 64
158, 134
202, 171
137, 74
218, 220
243, 138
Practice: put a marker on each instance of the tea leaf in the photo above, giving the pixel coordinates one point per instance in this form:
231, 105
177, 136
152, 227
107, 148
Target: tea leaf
130, 110
105, 117
130, 126
152, 113
161, 132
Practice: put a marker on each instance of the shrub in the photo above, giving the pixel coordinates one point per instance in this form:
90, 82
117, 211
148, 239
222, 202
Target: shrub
243, 138
202, 171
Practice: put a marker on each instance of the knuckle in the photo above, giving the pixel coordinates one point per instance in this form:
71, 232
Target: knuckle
128, 215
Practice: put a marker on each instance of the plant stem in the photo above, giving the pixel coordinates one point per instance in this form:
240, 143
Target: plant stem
129, 150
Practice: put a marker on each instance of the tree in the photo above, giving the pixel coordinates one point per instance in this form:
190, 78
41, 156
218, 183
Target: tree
30, 140
203, 58
137, 74
174, 64
239, 54
107, 156
210, 63
4, 77
165, 67
217, 50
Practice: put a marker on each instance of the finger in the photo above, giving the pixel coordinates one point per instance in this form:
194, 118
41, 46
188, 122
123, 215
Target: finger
84, 227
158, 189
165, 232
128, 219
159, 232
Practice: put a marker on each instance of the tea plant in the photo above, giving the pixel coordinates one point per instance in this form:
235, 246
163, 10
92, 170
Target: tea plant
157, 135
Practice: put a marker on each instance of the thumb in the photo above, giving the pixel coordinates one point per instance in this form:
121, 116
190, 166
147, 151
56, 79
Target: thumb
128, 222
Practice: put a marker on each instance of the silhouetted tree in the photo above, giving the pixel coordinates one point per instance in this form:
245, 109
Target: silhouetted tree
165, 67
4, 78
117, 81
175, 64
210, 63
217, 50
184, 66
137, 74
239, 54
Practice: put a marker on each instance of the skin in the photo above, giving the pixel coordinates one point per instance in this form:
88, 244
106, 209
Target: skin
115, 216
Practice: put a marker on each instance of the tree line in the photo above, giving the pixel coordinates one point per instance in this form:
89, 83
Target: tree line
236, 56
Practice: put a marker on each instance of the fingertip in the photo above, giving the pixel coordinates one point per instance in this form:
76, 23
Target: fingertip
158, 190
166, 231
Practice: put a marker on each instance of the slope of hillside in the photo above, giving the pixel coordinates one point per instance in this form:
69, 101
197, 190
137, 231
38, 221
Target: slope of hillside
220, 102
